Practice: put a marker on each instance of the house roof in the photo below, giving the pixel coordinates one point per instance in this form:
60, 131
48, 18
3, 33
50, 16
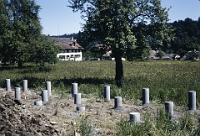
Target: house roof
103, 46
67, 43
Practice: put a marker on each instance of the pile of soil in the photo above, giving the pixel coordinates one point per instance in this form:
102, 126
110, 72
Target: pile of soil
58, 116
16, 119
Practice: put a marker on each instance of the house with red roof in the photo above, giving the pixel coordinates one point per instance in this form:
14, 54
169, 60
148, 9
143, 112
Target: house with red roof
71, 49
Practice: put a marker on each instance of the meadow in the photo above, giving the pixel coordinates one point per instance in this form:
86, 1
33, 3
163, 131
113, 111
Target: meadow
166, 80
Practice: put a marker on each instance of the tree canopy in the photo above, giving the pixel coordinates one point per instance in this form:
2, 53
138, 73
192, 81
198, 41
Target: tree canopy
124, 24
20, 32
187, 36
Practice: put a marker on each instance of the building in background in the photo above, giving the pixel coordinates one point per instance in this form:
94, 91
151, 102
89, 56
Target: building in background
72, 51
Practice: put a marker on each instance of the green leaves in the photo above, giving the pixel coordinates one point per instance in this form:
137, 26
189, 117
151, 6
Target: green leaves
45, 51
20, 26
118, 23
124, 25
187, 36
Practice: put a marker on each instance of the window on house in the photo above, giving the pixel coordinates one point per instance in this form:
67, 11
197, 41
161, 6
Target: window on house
61, 57
77, 56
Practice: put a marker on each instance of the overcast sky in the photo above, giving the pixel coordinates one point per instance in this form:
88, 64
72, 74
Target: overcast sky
57, 18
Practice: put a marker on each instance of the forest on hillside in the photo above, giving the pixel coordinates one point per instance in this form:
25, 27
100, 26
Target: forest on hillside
186, 38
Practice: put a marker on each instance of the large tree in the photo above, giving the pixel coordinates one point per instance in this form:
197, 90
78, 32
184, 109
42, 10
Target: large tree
43, 50
19, 26
113, 21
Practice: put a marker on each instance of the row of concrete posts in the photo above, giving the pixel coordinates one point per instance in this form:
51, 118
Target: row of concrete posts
134, 116
45, 93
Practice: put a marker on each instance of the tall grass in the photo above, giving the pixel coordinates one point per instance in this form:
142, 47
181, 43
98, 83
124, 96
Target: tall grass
167, 80
161, 125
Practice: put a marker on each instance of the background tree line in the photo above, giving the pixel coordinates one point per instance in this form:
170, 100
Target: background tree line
21, 40
130, 27
186, 38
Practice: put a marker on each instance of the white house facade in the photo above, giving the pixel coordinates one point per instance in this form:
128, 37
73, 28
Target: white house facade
72, 56
72, 51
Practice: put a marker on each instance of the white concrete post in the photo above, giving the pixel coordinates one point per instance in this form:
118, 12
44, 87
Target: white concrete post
77, 98
8, 85
145, 96
38, 103
107, 93
25, 85
135, 117
45, 96
118, 102
169, 107
74, 88
48, 87
192, 100
80, 107
17, 93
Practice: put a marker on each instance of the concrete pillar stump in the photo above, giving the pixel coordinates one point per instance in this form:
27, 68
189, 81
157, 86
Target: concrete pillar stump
38, 103
80, 108
118, 102
145, 96
17, 93
48, 87
135, 117
25, 85
77, 98
8, 85
169, 107
74, 88
107, 93
192, 100
45, 96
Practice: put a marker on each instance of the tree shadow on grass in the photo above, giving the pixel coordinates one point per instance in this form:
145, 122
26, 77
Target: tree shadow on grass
26, 69
93, 81
13, 67
41, 82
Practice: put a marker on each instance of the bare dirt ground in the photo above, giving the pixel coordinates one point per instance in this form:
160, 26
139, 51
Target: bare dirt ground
59, 117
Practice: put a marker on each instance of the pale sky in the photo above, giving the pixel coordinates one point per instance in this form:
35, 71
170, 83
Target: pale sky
57, 19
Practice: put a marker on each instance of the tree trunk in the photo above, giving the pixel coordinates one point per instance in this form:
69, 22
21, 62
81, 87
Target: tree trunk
119, 75
20, 64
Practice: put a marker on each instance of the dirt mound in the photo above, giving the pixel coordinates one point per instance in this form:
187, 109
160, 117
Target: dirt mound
59, 117
16, 119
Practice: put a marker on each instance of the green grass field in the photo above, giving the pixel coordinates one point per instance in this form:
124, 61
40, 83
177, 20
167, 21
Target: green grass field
167, 80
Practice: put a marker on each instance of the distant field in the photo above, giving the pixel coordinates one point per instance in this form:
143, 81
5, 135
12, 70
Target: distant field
167, 80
